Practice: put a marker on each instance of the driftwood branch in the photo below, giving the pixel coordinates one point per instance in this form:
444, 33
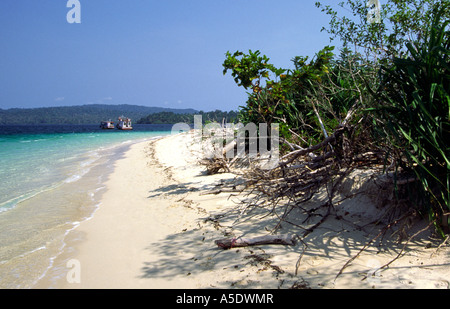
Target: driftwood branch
228, 243
297, 153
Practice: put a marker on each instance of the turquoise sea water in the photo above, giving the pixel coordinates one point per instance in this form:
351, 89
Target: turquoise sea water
51, 179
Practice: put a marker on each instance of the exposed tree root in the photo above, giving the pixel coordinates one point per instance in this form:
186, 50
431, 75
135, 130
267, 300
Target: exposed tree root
304, 172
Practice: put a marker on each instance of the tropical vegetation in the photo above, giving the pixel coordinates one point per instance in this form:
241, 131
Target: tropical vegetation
385, 91
172, 118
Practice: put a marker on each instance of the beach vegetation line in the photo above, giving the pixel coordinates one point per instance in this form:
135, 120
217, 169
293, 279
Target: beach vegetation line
381, 101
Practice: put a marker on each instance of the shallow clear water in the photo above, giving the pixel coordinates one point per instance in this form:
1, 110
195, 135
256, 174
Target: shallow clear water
51, 178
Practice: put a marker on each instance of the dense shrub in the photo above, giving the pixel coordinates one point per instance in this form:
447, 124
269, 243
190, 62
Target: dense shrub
396, 82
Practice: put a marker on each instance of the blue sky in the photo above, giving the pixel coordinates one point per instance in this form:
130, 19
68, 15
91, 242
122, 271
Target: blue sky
166, 53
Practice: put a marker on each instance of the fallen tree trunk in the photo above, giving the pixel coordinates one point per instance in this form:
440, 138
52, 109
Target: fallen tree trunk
228, 243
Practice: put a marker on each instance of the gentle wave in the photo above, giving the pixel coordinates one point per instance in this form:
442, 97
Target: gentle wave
26, 254
12, 203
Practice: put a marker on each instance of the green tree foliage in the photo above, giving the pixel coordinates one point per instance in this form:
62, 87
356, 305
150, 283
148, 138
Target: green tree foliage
307, 101
248, 70
415, 107
172, 118
392, 76
401, 21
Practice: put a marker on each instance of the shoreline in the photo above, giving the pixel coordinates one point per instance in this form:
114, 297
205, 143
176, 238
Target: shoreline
78, 239
35, 229
155, 229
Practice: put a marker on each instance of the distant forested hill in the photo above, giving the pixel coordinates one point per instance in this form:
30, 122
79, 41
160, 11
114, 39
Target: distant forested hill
171, 117
83, 114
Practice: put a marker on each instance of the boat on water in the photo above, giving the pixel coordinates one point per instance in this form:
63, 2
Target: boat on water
124, 123
107, 125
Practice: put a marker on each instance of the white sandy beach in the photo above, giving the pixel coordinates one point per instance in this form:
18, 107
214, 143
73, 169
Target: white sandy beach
155, 229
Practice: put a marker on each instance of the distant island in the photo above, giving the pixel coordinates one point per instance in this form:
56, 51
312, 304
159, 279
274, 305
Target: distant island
94, 113
172, 117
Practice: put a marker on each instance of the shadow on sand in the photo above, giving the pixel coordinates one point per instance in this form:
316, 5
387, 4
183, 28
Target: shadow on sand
315, 261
